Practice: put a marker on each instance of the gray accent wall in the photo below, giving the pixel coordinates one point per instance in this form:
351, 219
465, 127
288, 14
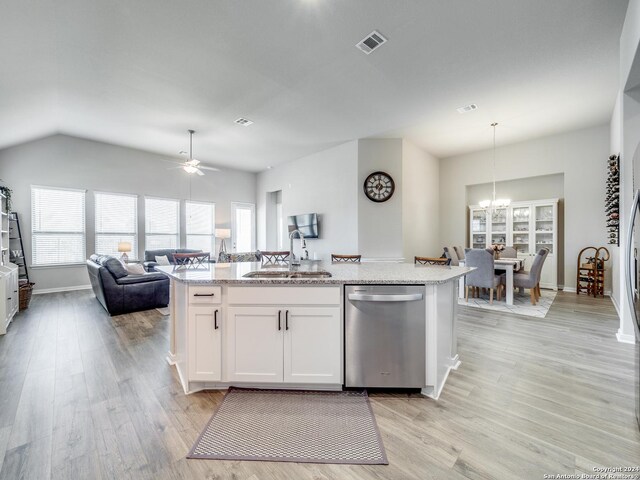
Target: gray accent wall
70, 162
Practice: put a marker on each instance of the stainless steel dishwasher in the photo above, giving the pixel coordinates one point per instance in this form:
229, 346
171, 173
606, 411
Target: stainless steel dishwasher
385, 338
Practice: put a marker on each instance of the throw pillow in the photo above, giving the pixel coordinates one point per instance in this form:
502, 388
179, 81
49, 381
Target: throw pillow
134, 268
163, 260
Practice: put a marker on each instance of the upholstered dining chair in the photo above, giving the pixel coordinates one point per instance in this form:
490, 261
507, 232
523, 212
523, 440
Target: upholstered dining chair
335, 258
509, 252
450, 253
460, 252
431, 261
530, 279
483, 276
274, 258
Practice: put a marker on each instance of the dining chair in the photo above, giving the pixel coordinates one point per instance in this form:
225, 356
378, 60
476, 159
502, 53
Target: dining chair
431, 261
483, 276
335, 258
274, 258
450, 253
509, 252
530, 279
460, 252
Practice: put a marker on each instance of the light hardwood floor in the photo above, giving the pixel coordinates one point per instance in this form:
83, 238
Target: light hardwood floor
88, 396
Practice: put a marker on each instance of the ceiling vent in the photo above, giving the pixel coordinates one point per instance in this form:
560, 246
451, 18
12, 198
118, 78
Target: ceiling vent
245, 122
467, 108
371, 42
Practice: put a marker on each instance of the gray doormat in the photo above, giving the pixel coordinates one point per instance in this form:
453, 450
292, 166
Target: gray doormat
292, 426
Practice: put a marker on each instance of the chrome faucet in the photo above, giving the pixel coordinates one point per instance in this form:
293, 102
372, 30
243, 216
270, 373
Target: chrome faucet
292, 257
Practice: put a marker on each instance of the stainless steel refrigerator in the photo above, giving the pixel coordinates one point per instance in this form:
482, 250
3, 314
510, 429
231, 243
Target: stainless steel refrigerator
632, 275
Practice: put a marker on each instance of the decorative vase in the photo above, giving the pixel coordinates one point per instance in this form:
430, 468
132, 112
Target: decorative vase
496, 255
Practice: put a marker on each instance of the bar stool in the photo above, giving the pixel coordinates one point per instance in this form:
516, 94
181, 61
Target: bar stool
431, 261
335, 258
274, 258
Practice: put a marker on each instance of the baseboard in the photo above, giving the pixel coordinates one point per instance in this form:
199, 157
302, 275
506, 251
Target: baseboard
624, 338
569, 289
615, 304
61, 289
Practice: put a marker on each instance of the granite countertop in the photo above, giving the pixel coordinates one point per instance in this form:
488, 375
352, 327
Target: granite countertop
341, 273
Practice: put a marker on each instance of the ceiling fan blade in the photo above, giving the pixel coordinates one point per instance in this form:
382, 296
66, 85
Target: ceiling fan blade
199, 172
174, 168
213, 169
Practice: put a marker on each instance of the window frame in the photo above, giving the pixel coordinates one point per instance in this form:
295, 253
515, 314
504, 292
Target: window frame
178, 221
134, 250
35, 234
212, 235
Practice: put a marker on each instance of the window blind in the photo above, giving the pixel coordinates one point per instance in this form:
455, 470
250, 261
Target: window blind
57, 226
200, 223
162, 223
116, 221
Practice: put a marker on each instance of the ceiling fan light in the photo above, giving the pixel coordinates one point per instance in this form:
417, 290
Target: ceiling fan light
189, 169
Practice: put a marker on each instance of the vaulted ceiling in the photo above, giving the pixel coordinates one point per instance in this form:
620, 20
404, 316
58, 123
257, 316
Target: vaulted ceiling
140, 73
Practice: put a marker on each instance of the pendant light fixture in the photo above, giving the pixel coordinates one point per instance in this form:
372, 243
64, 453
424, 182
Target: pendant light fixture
500, 202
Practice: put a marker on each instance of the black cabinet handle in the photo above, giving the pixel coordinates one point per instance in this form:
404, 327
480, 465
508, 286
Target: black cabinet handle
279, 320
204, 294
286, 320
215, 319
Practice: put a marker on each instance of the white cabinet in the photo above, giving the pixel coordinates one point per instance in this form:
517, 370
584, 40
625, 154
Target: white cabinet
284, 344
8, 295
204, 333
254, 344
205, 349
284, 334
527, 226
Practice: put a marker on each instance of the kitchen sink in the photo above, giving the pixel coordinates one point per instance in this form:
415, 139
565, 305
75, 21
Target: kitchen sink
286, 274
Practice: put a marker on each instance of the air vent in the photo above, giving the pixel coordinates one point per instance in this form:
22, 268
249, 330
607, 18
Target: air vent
371, 42
467, 108
245, 122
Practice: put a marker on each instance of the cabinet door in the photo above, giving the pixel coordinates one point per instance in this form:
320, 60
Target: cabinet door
312, 345
254, 344
545, 225
205, 343
499, 226
15, 294
478, 229
520, 230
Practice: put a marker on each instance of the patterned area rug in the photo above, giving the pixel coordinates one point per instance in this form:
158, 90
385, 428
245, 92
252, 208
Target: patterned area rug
521, 303
292, 426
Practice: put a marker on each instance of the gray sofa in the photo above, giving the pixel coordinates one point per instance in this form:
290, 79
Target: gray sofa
150, 256
121, 292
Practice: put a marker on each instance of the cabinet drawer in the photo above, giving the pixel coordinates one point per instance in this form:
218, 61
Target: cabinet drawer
286, 295
205, 294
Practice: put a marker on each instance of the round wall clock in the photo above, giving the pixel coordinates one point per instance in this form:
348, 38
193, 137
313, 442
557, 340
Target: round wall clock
379, 187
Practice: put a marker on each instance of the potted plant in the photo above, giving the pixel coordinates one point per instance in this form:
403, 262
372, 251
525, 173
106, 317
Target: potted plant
497, 248
6, 191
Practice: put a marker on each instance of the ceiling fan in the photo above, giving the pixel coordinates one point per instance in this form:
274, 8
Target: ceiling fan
192, 165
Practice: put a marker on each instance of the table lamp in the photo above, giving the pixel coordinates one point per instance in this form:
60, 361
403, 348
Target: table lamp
223, 233
124, 247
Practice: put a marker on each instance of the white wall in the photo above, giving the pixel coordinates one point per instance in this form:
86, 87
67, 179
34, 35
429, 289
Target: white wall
380, 224
615, 147
580, 155
63, 161
322, 183
420, 202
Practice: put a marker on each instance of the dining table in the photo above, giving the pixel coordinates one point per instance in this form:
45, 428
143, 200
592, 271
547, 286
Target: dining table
510, 266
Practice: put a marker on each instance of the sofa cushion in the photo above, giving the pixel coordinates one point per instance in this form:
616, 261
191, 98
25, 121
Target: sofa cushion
150, 255
115, 267
145, 277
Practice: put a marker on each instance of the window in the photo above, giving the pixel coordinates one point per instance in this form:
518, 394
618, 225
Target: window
116, 221
162, 223
243, 233
201, 226
57, 226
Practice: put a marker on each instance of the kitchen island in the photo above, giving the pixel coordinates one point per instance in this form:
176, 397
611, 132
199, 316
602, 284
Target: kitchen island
246, 325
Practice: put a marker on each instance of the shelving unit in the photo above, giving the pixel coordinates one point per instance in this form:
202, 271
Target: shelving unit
16, 247
8, 272
527, 226
591, 270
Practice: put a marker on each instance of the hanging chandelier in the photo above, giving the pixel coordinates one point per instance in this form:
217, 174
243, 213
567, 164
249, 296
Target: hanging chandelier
494, 202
